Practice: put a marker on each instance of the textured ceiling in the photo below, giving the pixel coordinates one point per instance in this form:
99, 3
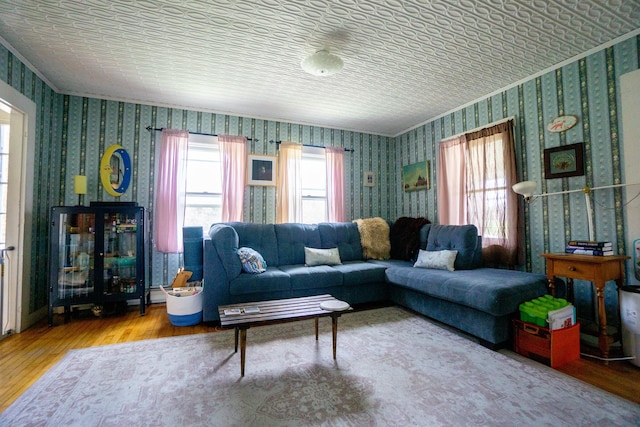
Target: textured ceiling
405, 61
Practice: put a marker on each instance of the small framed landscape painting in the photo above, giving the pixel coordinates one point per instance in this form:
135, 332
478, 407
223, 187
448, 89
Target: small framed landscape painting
416, 176
564, 161
261, 170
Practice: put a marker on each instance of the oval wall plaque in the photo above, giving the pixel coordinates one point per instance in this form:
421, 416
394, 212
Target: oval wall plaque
562, 123
115, 170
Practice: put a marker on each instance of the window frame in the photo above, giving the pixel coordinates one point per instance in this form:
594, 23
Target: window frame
203, 143
316, 154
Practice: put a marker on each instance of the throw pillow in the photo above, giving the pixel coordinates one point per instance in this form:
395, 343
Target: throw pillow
314, 256
374, 238
440, 260
405, 237
252, 261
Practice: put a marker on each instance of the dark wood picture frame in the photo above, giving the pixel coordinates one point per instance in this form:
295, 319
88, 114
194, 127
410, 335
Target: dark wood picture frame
564, 161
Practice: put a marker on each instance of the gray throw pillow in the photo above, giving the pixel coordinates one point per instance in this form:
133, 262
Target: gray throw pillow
440, 260
314, 256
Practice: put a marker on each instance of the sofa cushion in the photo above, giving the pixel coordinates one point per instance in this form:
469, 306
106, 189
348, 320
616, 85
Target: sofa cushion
343, 235
439, 260
494, 291
252, 261
462, 238
320, 276
360, 272
260, 237
292, 239
272, 280
315, 256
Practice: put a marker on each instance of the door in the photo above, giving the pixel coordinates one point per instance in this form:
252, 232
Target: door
11, 131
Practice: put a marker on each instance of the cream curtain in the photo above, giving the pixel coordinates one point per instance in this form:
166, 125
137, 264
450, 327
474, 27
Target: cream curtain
289, 183
492, 206
475, 175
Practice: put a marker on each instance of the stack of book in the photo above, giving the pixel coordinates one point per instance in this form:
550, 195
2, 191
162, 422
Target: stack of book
589, 247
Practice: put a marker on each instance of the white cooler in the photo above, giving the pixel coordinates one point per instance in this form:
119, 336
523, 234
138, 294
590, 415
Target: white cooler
630, 318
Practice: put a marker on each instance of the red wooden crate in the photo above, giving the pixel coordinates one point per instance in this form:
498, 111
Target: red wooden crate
553, 348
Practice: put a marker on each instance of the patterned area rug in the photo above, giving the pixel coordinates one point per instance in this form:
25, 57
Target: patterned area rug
393, 368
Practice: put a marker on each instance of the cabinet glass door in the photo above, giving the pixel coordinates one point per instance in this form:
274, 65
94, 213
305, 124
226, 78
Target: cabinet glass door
120, 253
76, 239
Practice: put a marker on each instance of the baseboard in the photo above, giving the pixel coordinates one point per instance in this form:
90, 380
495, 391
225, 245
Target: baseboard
157, 296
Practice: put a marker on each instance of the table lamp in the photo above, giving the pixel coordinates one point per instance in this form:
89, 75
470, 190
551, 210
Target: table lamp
80, 186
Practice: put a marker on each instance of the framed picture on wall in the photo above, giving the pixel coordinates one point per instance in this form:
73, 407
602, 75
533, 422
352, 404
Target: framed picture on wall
564, 161
416, 176
261, 170
369, 179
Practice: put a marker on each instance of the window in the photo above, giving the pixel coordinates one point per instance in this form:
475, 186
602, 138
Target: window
475, 174
314, 185
488, 188
204, 182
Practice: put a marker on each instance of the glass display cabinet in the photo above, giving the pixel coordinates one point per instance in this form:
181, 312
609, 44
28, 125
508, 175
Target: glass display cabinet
97, 256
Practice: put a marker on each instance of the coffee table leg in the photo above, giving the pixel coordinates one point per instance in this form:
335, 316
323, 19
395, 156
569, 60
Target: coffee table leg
334, 330
236, 337
316, 329
243, 349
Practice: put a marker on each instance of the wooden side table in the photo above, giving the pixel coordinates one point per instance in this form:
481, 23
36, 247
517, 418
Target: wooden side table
596, 269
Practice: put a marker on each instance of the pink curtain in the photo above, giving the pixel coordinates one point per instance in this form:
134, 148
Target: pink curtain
171, 194
452, 197
289, 183
233, 158
335, 184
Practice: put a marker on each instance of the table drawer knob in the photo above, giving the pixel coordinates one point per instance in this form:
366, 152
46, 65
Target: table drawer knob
572, 268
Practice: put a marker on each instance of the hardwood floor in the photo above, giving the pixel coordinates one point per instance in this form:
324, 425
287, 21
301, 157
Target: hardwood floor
25, 357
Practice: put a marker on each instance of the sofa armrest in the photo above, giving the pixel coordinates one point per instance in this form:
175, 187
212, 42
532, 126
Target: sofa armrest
224, 240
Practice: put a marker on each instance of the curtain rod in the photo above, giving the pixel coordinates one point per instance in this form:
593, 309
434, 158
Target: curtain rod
307, 145
149, 128
488, 125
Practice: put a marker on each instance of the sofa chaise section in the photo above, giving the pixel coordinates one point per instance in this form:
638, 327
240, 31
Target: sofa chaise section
480, 301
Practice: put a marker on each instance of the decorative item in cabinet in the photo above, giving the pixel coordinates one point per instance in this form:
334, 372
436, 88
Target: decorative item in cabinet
97, 256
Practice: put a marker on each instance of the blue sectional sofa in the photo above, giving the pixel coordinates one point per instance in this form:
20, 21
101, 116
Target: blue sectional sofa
479, 301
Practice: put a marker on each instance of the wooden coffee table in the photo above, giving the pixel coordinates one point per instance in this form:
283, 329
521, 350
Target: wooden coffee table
276, 311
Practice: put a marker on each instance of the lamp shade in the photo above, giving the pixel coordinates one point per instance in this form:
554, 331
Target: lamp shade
525, 188
322, 63
80, 184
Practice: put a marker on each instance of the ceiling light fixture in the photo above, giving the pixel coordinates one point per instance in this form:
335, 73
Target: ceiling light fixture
322, 63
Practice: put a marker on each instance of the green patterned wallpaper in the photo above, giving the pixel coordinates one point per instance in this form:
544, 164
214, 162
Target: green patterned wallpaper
73, 132
587, 88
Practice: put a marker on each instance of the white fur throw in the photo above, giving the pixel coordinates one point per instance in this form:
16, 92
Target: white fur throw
374, 237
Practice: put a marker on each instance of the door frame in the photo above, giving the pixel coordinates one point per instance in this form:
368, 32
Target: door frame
20, 259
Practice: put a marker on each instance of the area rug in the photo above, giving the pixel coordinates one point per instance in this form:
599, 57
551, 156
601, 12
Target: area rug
393, 368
